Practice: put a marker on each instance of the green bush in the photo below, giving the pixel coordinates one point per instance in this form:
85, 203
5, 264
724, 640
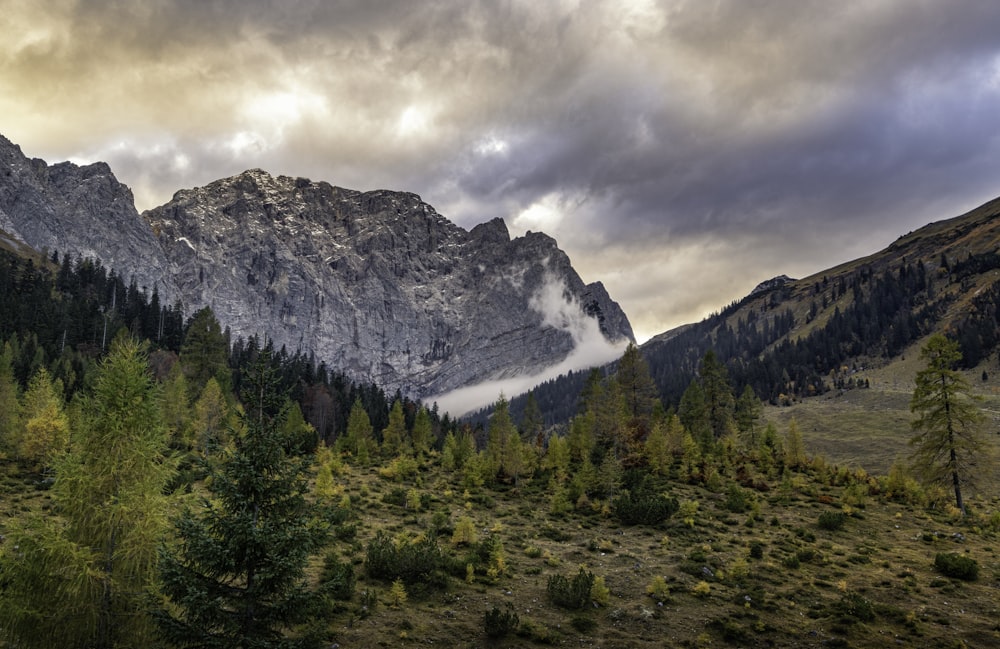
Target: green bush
856, 608
571, 593
497, 623
955, 565
411, 562
644, 508
338, 578
738, 500
832, 521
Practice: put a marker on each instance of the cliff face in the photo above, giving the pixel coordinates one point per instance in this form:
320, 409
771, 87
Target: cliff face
80, 211
377, 283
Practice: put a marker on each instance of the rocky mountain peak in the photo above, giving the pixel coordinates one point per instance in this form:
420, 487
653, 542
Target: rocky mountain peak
82, 211
376, 283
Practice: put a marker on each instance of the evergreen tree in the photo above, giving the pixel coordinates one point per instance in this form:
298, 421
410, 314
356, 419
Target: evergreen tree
422, 431
747, 415
498, 435
237, 576
693, 413
394, 438
719, 400
532, 423
638, 390
205, 352
176, 408
360, 440
948, 441
97, 558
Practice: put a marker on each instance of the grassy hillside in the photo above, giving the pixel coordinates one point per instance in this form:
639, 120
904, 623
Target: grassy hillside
817, 557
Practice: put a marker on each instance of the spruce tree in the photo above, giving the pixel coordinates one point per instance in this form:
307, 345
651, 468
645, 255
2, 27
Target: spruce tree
236, 576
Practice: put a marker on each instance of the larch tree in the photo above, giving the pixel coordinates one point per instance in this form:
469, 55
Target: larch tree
82, 579
422, 431
948, 441
45, 432
394, 438
236, 577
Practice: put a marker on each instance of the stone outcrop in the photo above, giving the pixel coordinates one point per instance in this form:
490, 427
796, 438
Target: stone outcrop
376, 283
82, 212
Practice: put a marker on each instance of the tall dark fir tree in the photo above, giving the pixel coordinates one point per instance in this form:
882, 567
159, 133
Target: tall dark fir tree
236, 576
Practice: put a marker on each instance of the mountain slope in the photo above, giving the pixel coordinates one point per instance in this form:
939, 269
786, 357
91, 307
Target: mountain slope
791, 339
80, 211
377, 283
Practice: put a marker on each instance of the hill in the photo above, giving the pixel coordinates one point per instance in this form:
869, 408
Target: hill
830, 332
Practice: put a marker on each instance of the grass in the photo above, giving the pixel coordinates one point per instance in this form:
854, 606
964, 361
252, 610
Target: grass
770, 575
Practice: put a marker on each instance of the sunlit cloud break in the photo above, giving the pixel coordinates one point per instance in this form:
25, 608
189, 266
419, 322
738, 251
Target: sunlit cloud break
559, 310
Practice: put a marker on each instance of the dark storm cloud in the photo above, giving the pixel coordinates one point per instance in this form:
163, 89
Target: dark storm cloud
679, 151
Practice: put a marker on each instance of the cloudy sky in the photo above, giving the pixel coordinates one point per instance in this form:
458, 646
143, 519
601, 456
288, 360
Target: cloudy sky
679, 151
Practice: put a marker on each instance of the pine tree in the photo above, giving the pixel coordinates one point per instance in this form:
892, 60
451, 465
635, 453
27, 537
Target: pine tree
394, 438
638, 390
748, 413
359, 440
176, 409
532, 422
948, 441
719, 401
236, 578
97, 558
205, 352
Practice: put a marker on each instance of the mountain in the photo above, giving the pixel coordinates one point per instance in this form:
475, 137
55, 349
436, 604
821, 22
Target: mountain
376, 284
81, 211
791, 339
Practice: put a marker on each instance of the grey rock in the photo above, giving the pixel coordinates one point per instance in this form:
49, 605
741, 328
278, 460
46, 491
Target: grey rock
80, 211
377, 283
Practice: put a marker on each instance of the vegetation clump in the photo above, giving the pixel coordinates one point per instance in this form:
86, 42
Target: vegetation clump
571, 593
958, 566
498, 623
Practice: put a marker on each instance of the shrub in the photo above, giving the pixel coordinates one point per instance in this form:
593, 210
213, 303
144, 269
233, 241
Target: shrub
658, 589
955, 565
571, 593
856, 607
599, 593
757, 550
411, 562
832, 521
644, 507
497, 623
738, 500
338, 578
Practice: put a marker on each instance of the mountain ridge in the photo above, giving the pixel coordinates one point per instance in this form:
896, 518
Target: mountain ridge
376, 283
